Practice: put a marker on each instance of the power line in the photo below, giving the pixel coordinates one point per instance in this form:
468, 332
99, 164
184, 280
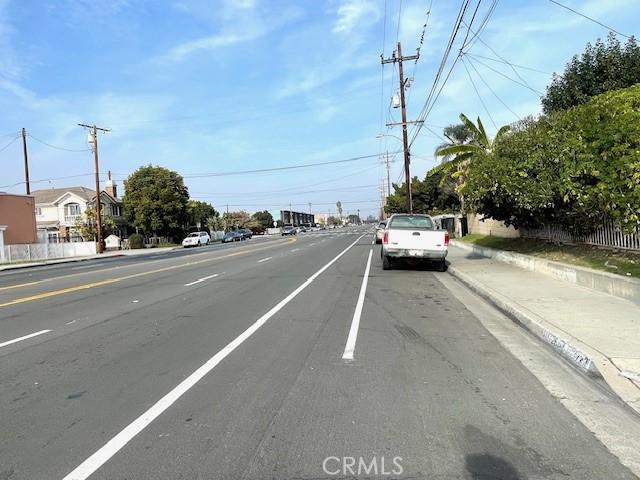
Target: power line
464, 64
277, 169
526, 84
537, 92
65, 149
9, 144
491, 89
445, 56
474, 55
590, 19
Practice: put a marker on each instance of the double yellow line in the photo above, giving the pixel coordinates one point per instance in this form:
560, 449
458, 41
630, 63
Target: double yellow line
109, 281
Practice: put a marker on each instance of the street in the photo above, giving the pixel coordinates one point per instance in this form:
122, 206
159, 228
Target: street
226, 362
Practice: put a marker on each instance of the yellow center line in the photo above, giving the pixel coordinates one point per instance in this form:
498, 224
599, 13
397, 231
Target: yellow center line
109, 281
91, 272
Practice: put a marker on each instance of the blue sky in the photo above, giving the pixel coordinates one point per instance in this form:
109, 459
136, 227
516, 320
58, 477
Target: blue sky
219, 86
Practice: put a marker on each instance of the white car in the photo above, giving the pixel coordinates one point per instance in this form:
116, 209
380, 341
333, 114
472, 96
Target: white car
196, 239
380, 231
414, 238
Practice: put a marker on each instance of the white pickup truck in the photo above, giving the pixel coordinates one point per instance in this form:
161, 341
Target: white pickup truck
414, 238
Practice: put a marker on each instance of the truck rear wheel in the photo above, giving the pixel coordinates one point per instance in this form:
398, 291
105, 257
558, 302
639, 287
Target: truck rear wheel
442, 266
386, 263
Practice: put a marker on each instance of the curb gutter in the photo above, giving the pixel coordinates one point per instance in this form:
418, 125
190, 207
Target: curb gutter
596, 365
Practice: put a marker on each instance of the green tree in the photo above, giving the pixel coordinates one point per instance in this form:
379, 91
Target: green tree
462, 155
264, 218
156, 200
458, 134
599, 69
85, 225
572, 170
235, 220
199, 212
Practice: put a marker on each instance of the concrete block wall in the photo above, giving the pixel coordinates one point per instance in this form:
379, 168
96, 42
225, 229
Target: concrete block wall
489, 226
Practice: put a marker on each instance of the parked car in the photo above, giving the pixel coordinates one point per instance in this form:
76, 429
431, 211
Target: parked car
380, 231
232, 236
413, 238
196, 239
288, 231
246, 233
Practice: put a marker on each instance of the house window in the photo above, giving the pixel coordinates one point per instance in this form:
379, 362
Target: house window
72, 209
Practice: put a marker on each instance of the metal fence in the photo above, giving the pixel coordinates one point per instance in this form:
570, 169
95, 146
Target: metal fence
609, 234
43, 251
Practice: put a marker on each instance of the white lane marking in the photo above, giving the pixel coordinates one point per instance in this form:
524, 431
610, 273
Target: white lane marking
31, 335
312, 244
355, 322
71, 322
109, 449
201, 280
265, 259
295, 250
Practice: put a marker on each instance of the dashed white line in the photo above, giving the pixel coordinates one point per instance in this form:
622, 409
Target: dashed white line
265, 259
355, 322
312, 244
201, 280
19, 339
113, 446
294, 250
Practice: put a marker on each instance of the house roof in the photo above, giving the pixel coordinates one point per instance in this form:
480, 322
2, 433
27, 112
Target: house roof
50, 195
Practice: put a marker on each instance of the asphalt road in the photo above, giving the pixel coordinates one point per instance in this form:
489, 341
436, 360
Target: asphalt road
227, 362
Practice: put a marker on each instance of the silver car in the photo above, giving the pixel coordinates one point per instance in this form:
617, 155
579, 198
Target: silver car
380, 231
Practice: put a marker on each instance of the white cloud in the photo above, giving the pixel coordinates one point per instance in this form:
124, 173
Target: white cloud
353, 14
240, 27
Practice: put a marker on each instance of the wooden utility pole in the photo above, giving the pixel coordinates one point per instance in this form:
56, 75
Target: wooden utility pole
388, 179
26, 161
93, 131
397, 57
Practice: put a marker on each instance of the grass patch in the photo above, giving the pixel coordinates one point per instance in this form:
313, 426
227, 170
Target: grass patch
619, 262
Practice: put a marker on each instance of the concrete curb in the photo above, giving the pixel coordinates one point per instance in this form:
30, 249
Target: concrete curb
612, 284
586, 359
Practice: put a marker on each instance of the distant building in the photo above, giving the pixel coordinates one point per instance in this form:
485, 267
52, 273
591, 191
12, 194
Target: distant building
322, 218
290, 217
17, 219
58, 209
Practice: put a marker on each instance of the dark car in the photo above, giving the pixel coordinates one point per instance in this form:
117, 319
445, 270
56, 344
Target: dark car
233, 236
246, 233
288, 231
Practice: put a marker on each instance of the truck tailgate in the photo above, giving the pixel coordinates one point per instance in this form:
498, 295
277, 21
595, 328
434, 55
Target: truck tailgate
417, 239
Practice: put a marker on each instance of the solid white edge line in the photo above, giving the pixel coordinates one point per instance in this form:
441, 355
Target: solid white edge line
265, 259
109, 449
355, 322
201, 280
31, 335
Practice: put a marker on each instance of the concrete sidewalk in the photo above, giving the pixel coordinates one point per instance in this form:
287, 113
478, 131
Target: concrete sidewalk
597, 332
111, 254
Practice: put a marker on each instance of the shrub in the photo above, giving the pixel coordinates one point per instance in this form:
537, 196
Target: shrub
136, 241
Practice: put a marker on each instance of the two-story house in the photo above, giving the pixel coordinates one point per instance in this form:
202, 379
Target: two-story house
58, 210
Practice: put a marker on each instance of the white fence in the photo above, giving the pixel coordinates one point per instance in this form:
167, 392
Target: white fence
44, 251
609, 234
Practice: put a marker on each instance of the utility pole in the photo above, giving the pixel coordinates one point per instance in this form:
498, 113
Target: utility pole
290, 214
94, 145
388, 180
26, 161
397, 57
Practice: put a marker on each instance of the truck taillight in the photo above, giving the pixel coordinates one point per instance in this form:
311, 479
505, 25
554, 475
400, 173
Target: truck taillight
446, 238
385, 237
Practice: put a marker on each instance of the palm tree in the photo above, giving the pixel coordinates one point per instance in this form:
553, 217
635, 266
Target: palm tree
457, 134
459, 155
